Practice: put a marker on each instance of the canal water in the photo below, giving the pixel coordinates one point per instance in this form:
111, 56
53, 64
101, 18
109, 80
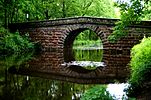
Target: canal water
78, 74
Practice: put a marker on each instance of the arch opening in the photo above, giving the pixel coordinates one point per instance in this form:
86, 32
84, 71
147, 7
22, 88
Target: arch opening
84, 48
87, 39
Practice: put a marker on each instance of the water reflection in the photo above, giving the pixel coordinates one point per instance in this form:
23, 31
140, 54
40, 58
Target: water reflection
45, 77
32, 88
49, 64
95, 54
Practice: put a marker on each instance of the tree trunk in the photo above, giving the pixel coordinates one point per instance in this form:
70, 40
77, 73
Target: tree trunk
63, 9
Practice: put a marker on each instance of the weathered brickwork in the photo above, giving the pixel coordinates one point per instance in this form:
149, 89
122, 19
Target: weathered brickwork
61, 33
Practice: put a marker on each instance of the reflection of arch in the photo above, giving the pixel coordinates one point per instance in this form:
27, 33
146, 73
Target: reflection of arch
98, 75
81, 70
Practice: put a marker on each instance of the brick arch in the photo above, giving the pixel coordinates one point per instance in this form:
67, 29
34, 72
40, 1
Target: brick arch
73, 33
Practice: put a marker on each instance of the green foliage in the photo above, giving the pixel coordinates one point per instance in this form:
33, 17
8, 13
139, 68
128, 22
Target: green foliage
97, 93
147, 14
87, 34
99, 8
87, 39
17, 10
140, 62
131, 13
13, 42
140, 65
118, 32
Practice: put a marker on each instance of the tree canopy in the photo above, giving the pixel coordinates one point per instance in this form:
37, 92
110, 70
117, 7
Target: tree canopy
24, 10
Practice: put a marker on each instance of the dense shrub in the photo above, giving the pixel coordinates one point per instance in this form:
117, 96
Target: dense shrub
141, 61
13, 42
140, 65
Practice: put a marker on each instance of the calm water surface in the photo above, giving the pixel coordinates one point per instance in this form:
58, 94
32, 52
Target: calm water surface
61, 75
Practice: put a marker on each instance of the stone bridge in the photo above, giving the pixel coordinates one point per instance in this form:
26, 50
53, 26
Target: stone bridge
60, 33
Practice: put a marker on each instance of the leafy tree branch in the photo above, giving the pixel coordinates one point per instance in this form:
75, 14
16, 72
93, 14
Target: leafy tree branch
131, 13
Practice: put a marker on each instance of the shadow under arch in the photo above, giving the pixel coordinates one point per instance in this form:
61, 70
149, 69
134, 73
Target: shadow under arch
70, 38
